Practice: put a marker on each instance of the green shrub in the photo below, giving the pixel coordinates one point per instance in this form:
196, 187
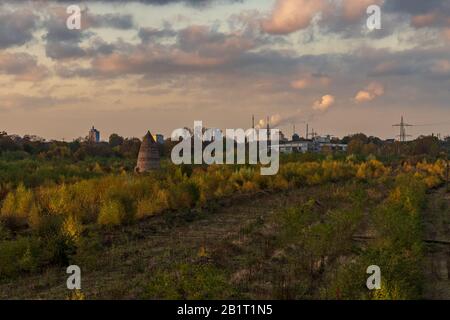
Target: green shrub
398, 249
348, 282
56, 246
295, 220
48, 226
189, 282
5, 234
88, 248
184, 195
17, 256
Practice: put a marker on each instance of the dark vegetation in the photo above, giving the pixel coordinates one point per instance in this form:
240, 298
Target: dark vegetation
79, 203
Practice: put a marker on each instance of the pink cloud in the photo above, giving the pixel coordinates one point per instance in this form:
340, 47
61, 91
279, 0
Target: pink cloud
432, 19
446, 34
441, 66
292, 15
424, 20
324, 103
300, 84
372, 91
274, 120
310, 80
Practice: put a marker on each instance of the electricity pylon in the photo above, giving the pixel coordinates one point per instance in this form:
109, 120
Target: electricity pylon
403, 126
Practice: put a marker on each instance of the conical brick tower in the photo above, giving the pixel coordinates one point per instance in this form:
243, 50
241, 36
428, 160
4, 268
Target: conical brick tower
148, 158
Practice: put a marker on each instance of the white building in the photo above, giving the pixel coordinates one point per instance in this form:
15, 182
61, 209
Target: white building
317, 144
333, 146
295, 146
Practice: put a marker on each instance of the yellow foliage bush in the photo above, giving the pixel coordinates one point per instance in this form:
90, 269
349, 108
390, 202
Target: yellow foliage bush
113, 199
432, 174
112, 213
249, 186
280, 183
372, 170
17, 207
153, 205
72, 228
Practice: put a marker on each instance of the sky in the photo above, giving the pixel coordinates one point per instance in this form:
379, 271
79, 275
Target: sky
159, 65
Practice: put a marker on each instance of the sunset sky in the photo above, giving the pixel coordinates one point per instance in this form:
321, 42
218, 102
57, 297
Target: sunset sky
161, 64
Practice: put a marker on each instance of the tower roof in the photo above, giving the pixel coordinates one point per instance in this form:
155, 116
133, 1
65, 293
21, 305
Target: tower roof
148, 138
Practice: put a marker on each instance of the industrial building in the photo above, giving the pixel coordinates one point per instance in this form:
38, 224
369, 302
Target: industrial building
295, 146
316, 144
302, 145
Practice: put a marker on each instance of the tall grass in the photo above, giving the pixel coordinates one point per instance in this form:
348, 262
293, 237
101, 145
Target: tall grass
56, 214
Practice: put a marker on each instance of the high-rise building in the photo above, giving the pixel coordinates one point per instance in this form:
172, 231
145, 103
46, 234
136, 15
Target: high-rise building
94, 135
159, 138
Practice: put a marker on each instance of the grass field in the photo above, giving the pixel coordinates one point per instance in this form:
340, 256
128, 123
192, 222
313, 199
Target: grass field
309, 233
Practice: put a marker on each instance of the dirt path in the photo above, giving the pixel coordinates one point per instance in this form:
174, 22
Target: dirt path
437, 256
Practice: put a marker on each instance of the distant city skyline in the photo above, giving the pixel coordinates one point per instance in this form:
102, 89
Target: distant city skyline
301, 132
161, 65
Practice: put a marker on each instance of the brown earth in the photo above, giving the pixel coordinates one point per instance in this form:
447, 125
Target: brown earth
437, 257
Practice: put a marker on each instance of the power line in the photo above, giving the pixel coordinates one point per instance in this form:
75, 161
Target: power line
432, 124
403, 126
